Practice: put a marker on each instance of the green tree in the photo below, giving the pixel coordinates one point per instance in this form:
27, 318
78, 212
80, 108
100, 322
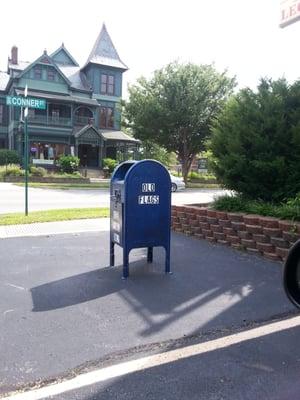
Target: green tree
256, 142
175, 108
153, 151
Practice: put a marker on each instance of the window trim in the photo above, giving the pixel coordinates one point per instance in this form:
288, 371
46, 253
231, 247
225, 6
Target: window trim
1, 113
105, 83
51, 72
38, 68
106, 125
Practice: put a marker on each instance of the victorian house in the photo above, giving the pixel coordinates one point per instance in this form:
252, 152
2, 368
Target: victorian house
82, 115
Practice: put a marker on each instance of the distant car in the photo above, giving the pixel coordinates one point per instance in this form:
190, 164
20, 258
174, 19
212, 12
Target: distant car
177, 183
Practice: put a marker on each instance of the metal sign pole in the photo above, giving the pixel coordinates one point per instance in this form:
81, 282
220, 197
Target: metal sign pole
31, 102
26, 153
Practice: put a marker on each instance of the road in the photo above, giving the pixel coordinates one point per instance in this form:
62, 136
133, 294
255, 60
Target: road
12, 198
64, 313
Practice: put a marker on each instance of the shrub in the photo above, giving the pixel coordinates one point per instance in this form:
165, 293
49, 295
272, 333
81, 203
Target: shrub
110, 164
11, 170
287, 210
256, 142
193, 175
9, 157
37, 171
68, 164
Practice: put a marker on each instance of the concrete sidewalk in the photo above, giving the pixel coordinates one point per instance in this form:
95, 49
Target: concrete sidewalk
54, 228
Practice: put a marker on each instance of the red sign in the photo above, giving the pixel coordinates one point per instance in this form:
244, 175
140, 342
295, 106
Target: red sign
289, 12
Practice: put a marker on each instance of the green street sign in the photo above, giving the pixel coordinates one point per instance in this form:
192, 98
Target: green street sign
30, 102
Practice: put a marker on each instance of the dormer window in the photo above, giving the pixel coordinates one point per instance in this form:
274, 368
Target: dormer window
51, 74
107, 84
37, 73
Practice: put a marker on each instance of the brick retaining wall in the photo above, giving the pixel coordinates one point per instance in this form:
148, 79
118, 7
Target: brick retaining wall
267, 236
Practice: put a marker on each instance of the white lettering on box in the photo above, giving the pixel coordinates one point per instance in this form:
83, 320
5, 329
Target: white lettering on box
116, 215
148, 200
116, 226
116, 238
148, 187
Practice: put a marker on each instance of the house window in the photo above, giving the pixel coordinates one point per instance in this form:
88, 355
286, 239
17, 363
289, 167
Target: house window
55, 115
1, 113
37, 73
51, 74
106, 117
107, 84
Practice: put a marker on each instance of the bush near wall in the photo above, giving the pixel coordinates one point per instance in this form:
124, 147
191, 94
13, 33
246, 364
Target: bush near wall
9, 157
266, 236
256, 142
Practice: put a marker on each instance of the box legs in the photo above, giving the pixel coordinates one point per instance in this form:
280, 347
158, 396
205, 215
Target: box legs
150, 255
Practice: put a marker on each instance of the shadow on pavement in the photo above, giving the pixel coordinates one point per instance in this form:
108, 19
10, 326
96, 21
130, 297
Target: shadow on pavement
214, 285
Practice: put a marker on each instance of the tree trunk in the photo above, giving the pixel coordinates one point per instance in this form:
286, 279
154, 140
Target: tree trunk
186, 166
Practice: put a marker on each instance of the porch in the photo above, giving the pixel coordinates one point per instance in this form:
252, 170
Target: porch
92, 146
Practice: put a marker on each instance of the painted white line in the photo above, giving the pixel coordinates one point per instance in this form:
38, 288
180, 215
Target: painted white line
141, 364
15, 286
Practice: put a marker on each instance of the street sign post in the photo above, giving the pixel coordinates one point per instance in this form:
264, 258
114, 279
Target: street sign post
26, 102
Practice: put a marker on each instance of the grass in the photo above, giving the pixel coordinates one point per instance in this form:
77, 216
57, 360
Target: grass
194, 185
67, 186
104, 185
53, 215
289, 210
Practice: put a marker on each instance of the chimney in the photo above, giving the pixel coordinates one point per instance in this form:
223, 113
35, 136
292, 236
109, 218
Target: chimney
14, 55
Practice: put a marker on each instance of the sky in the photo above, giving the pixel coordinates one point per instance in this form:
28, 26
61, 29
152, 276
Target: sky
241, 36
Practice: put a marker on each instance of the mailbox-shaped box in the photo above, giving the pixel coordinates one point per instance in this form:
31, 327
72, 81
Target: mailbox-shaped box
140, 209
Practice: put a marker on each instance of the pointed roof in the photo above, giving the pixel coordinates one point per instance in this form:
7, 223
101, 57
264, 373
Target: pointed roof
45, 59
104, 52
69, 59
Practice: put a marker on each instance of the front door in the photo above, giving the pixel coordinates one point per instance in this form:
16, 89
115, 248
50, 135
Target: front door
88, 155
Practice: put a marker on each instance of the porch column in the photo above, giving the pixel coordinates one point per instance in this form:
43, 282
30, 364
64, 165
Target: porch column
76, 148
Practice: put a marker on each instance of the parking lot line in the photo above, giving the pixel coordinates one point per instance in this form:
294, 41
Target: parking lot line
144, 363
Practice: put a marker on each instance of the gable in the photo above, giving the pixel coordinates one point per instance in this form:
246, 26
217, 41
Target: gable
44, 69
88, 135
63, 57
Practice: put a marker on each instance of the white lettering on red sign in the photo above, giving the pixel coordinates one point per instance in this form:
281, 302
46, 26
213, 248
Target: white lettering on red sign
289, 12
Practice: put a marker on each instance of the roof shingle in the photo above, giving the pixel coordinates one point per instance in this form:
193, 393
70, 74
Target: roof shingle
105, 53
4, 78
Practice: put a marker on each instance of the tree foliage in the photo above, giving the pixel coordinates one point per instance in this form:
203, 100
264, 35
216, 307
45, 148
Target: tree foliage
9, 157
174, 108
256, 142
154, 151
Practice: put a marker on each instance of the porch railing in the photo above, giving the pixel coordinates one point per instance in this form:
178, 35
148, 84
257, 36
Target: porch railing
79, 120
50, 120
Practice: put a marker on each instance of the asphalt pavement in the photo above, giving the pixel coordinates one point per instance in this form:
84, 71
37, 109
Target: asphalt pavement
64, 311
12, 198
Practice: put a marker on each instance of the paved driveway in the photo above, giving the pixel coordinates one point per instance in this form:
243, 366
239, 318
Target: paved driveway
61, 307
12, 198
